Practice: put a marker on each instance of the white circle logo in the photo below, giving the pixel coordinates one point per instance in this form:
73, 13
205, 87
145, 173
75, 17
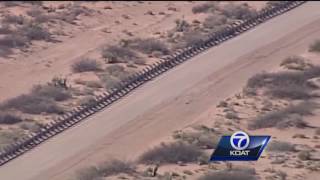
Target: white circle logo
239, 140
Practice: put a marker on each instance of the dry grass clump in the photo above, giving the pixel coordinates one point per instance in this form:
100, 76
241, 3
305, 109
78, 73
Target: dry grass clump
108, 168
118, 54
290, 116
230, 175
315, 46
9, 118
205, 7
171, 153
287, 85
85, 65
149, 45
42, 99
296, 63
280, 146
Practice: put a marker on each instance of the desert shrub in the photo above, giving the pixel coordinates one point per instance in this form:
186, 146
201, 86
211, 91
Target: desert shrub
90, 173
13, 19
85, 65
193, 38
88, 101
286, 115
8, 118
304, 155
280, 146
109, 81
232, 115
295, 63
235, 11
315, 46
149, 45
214, 21
171, 153
31, 126
35, 32
32, 104
182, 25
114, 69
228, 175
5, 29
13, 41
94, 84
7, 137
113, 167
118, 54
291, 85
290, 92
204, 8
53, 92
270, 4
202, 139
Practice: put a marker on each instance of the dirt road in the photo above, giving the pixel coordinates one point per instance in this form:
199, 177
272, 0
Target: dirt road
172, 101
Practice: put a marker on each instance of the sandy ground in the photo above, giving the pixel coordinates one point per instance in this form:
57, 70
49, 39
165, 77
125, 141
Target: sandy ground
171, 101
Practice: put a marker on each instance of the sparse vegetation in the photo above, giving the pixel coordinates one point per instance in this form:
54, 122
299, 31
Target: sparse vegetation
204, 8
285, 116
296, 63
288, 85
241, 11
149, 45
53, 92
9, 118
167, 153
7, 137
108, 168
228, 175
280, 146
113, 167
315, 46
118, 54
85, 65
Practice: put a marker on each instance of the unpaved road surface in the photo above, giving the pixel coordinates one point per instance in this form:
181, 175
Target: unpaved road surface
169, 102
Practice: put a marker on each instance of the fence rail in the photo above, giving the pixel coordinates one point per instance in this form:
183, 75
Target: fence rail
82, 112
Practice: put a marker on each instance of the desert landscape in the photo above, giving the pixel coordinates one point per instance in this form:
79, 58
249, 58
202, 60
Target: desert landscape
56, 56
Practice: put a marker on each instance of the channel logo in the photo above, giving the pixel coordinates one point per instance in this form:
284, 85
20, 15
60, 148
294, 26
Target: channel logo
240, 147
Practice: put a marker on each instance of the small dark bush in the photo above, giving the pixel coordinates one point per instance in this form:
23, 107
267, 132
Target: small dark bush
271, 119
56, 93
149, 45
7, 118
214, 21
280, 146
118, 54
296, 63
182, 25
113, 167
228, 175
91, 173
85, 65
171, 153
241, 12
33, 104
315, 46
13, 41
13, 19
35, 32
202, 8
